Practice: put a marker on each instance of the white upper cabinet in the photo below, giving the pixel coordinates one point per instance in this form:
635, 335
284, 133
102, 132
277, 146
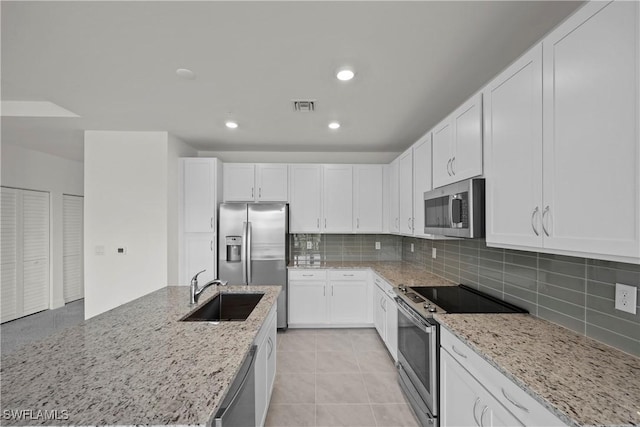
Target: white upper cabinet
405, 191
305, 197
337, 199
239, 182
562, 142
421, 181
394, 198
513, 147
248, 182
199, 194
367, 198
457, 144
591, 114
272, 182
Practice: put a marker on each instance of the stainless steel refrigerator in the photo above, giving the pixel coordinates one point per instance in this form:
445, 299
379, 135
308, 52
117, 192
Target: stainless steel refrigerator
253, 247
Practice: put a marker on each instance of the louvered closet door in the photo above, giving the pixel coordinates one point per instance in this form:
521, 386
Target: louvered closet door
72, 214
8, 258
35, 250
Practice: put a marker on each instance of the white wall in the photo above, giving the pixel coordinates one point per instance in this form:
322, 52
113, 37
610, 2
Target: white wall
126, 199
33, 170
298, 157
176, 149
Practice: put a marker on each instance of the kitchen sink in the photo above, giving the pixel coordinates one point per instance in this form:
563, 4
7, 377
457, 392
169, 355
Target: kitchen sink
226, 307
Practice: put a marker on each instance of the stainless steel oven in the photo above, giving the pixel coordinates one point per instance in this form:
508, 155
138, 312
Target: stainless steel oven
418, 362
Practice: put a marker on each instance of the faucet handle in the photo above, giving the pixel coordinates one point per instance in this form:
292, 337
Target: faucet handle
194, 279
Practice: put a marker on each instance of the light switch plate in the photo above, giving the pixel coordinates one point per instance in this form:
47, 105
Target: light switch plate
626, 298
377, 245
412, 247
99, 250
433, 253
309, 245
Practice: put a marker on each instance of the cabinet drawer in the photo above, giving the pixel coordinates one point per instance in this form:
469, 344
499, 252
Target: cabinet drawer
383, 284
307, 274
519, 402
348, 274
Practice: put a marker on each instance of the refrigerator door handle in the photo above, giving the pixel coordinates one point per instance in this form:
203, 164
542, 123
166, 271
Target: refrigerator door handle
244, 252
248, 253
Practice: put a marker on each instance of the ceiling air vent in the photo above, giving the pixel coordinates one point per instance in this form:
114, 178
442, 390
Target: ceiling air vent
305, 106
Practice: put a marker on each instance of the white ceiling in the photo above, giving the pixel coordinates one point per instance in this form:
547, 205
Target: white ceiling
113, 64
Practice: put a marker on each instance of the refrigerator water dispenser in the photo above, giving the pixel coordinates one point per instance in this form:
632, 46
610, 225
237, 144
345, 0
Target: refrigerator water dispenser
234, 248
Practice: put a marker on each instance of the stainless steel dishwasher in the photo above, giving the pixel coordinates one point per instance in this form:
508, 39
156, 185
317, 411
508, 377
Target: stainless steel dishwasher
238, 409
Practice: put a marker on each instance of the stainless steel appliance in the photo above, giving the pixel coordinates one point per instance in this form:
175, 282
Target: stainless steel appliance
455, 210
238, 409
253, 247
419, 339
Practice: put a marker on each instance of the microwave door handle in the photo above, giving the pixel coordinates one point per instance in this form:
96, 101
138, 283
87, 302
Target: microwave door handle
451, 211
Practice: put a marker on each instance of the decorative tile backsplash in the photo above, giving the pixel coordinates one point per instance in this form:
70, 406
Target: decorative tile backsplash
345, 247
577, 293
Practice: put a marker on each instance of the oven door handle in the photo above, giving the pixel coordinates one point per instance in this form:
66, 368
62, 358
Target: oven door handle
414, 317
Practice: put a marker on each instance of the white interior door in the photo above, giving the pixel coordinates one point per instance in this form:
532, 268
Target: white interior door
35, 251
72, 265
8, 254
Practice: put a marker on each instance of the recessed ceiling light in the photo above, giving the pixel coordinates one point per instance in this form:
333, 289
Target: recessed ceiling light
334, 125
345, 74
185, 74
231, 124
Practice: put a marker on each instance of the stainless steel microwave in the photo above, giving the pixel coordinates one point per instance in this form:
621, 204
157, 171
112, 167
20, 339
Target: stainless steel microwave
455, 210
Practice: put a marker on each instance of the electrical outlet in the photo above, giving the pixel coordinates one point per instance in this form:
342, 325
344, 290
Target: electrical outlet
433, 253
412, 247
378, 245
309, 245
626, 298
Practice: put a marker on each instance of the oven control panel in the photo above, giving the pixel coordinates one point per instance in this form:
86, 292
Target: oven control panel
420, 304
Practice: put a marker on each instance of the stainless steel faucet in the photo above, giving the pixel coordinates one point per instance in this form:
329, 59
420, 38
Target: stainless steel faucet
195, 291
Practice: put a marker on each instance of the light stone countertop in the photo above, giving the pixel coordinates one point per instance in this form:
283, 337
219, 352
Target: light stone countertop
584, 382
135, 364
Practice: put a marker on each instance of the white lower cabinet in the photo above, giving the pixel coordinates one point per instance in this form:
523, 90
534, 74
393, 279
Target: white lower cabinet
265, 367
385, 314
474, 393
324, 298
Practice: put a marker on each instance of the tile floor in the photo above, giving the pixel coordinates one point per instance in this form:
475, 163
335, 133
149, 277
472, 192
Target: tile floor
336, 377
20, 332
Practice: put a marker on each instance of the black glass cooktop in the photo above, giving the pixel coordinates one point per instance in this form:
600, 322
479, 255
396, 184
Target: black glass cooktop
463, 299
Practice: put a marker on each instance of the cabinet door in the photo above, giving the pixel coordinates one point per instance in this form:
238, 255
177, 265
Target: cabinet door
591, 124
394, 198
305, 196
421, 181
513, 147
442, 157
199, 188
200, 254
367, 199
348, 302
405, 181
238, 182
391, 325
260, 375
271, 356
272, 183
337, 198
307, 302
467, 130
464, 402
379, 314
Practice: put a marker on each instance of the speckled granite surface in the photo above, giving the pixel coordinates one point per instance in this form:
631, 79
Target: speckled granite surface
394, 272
581, 380
135, 364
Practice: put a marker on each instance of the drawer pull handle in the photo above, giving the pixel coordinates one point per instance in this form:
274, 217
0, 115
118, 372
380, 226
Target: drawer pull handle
513, 402
307, 275
348, 275
474, 411
453, 347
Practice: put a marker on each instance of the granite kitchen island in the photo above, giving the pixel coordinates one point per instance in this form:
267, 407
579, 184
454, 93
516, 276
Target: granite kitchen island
135, 364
